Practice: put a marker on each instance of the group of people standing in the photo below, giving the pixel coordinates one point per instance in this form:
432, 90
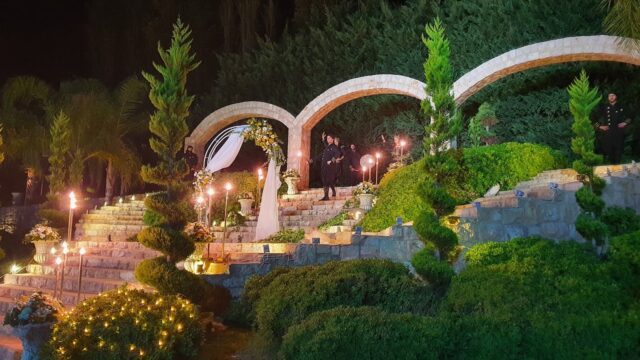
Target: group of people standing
339, 164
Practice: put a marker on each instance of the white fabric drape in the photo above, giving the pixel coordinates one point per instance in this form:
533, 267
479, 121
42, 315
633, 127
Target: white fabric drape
268, 219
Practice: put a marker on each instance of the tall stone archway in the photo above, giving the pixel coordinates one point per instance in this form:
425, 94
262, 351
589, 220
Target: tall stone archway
227, 115
581, 48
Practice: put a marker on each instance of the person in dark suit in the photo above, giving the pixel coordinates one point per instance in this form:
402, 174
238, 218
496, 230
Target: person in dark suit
353, 162
611, 129
192, 161
329, 166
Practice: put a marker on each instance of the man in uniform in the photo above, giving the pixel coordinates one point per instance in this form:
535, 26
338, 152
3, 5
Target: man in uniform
353, 161
611, 128
329, 168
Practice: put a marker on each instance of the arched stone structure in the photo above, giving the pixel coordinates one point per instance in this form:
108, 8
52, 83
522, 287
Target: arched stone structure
581, 48
227, 115
318, 108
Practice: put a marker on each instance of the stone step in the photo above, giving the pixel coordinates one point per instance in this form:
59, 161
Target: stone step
112, 221
87, 272
133, 245
102, 238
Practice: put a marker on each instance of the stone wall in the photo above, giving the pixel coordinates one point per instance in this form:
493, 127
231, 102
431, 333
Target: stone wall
399, 244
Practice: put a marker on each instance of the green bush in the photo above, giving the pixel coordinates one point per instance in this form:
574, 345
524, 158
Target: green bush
286, 236
334, 221
177, 213
589, 201
125, 324
591, 228
168, 279
439, 198
624, 257
506, 164
294, 295
431, 231
152, 218
397, 197
620, 221
170, 242
527, 297
363, 333
436, 272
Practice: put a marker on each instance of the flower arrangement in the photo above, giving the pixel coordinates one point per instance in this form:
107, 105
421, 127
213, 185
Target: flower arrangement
41, 232
245, 195
35, 309
198, 232
291, 173
364, 188
261, 132
202, 180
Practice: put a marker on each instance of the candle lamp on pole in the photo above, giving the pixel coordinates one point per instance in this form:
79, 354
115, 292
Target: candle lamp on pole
65, 251
370, 166
377, 161
81, 252
58, 262
227, 188
260, 177
403, 143
200, 202
72, 206
364, 170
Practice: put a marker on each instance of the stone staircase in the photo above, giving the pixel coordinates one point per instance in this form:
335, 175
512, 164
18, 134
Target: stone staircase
546, 206
109, 261
301, 211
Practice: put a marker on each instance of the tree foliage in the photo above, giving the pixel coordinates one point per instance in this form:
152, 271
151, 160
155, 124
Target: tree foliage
479, 130
58, 162
582, 100
439, 106
623, 19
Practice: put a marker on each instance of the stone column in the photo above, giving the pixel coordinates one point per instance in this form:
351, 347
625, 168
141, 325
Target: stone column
297, 145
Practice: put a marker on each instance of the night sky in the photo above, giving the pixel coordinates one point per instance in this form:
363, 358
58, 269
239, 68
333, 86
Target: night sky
42, 38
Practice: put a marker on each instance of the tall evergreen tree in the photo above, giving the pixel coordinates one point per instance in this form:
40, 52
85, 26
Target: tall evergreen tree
169, 96
582, 100
59, 148
439, 106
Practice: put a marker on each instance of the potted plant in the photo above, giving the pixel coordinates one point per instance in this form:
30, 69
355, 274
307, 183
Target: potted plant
200, 235
291, 178
43, 237
246, 200
365, 193
32, 319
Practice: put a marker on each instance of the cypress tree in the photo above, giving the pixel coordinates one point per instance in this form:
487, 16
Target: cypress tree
439, 106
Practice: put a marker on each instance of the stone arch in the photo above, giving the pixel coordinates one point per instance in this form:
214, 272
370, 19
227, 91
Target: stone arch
579, 48
229, 114
318, 108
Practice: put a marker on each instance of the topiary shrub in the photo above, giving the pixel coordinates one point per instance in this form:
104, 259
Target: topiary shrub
172, 243
430, 230
126, 324
177, 212
438, 197
152, 218
589, 201
171, 280
620, 221
294, 295
437, 273
364, 333
591, 228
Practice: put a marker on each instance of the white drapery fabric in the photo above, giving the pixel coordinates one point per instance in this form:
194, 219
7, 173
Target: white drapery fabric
268, 219
225, 156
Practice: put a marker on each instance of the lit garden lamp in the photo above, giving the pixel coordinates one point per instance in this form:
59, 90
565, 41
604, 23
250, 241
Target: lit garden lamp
370, 166
227, 188
402, 145
65, 251
81, 252
200, 201
72, 205
378, 156
210, 193
58, 262
364, 170
14, 269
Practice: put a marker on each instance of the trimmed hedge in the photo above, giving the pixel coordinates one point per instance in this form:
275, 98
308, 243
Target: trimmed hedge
436, 272
533, 298
397, 196
125, 324
620, 221
506, 164
363, 333
170, 242
294, 295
